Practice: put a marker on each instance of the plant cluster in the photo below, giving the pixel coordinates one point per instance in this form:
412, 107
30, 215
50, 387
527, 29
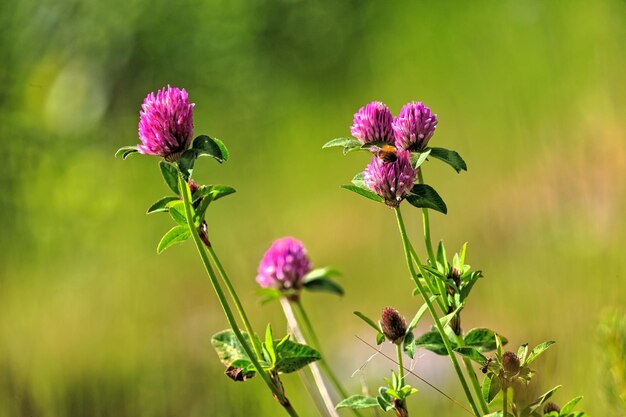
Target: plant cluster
399, 151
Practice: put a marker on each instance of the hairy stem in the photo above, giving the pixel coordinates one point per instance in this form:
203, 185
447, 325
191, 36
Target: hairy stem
280, 396
315, 370
431, 309
256, 344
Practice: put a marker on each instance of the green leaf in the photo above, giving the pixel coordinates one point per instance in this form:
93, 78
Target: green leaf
491, 387
482, 339
213, 147
380, 338
230, 351
419, 314
471, 353
567, 408
522, 353
408, 345
418, 158
348, 144
269, 294
208, 194
174, 235
530, 408
269, 344
186, 162
291, 356
451, 158
538, 350
170, 175
326, 272
126, 151
357, 402
177, 212
365, 193
367, 320
323, 284
432, 341
359, 187
161, 205
425, 196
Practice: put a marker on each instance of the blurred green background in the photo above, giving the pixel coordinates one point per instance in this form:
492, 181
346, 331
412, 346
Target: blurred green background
94, 323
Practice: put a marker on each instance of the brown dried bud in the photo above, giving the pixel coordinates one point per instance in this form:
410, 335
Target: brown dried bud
393, 324
551, 407
510, 363
193, 186
238, 374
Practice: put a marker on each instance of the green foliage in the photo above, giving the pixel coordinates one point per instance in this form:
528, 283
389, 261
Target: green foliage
358, 186
418, 158
162, 204
321, 280
170, 175
176, 234
538, 350
451, 158
282, 356
536, 404
348, 144
230, 352
126, 151
491, 387
432, 341
357, 402
425, 196
482, 339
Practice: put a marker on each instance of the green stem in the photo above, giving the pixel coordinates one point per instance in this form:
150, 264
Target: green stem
431, 309
473, 379
400, 366
426, 224
256, 344
280, 396
309, 334
505, 400
429, 244
405, 410
468, 364
432, 290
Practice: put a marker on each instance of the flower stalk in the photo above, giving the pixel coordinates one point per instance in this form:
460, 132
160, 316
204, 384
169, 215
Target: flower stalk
431, 309
270, 381
459, 340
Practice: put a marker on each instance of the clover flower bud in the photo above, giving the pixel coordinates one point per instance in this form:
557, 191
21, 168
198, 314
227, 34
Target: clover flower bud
166, 123
284, 265
414, 127
551, 407
510, 363
392, 181
393, 325
372, 123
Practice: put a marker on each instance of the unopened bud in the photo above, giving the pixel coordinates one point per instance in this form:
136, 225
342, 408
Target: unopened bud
510, 362
551, 407
393, 324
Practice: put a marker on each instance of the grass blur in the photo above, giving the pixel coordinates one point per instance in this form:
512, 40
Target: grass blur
94, 323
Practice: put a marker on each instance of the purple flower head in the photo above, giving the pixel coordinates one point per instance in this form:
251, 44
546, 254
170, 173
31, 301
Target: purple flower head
414, 126
284, 265
392, 181
166, 123
372, 123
